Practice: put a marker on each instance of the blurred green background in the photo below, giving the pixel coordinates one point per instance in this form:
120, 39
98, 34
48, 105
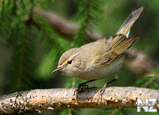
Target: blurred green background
30, 50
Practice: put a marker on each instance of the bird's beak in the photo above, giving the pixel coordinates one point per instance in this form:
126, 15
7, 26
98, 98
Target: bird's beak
57, 69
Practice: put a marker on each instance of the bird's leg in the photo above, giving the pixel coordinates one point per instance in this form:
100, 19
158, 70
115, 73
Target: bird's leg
84, 84
106, 85
79, 89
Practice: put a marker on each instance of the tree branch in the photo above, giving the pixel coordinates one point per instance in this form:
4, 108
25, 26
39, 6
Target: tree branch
55, 99
64, 27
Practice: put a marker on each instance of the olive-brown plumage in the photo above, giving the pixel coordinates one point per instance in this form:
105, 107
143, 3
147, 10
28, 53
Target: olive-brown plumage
100, 58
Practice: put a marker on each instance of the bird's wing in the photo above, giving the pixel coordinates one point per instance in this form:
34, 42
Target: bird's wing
118, 44
115, 46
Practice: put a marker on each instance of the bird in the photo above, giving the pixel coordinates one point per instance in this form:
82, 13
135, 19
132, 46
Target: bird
101, 58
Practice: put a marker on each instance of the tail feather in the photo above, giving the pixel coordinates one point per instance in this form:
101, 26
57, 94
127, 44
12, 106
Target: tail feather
124, 29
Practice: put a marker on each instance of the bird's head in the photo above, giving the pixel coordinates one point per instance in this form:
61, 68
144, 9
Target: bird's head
69, 61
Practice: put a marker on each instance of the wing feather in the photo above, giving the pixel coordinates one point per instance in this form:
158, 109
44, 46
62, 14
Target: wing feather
116, 46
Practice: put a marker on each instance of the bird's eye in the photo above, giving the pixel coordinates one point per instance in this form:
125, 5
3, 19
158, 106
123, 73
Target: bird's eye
69, 62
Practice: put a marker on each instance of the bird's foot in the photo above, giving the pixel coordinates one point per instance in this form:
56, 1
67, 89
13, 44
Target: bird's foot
80, 89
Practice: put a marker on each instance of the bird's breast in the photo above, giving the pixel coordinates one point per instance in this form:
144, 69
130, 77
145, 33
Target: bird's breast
99, 71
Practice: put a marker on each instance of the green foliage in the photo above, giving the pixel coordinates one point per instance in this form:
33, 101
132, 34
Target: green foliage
89, 12
53, 38
71, 111
149, 81
54, 44
105, 111
20, 36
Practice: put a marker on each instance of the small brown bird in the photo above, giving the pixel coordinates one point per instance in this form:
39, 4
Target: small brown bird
101, 58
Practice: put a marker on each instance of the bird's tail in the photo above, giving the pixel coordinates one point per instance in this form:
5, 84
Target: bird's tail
125, 28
